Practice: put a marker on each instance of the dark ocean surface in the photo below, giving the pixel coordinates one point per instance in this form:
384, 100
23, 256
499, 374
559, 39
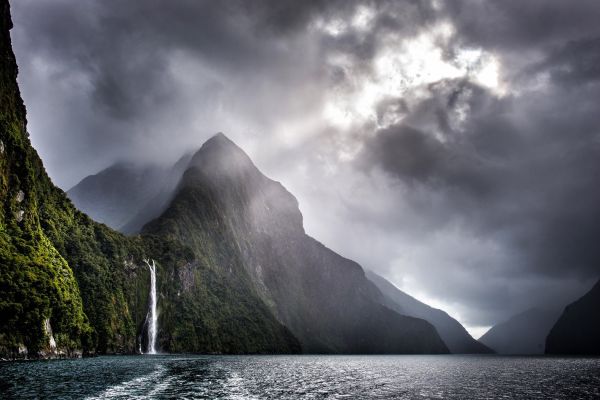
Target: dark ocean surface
303, 377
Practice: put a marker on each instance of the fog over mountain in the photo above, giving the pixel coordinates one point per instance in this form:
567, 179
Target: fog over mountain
125, 196
451, 147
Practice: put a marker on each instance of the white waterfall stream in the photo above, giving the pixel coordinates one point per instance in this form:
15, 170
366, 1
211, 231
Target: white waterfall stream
152, 316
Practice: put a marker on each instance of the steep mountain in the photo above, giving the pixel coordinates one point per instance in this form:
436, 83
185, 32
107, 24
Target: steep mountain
36, 282
577, 330
70, 285
524, 333
234, 267
451, 331
228, 211
125, 196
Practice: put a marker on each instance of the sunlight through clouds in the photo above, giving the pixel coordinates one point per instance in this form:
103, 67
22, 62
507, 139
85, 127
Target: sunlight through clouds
403, 66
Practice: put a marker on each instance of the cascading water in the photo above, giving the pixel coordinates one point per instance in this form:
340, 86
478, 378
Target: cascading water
152, 316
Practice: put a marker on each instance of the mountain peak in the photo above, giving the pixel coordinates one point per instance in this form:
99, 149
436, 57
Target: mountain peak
221, 156
219, 136
220, 139
223, 166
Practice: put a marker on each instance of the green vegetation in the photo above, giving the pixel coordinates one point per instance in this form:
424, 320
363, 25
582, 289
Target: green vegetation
36, 282
235, 268
89, 281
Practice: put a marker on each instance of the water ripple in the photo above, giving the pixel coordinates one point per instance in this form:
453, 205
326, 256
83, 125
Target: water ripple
305, 377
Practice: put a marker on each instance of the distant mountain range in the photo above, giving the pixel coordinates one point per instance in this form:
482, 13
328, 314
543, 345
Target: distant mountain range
125, 196
572, 331
524, 333
452, 332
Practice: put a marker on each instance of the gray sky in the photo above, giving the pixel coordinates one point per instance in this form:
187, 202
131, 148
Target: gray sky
451, 146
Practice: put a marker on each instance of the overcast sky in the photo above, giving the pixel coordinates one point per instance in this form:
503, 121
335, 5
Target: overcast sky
451, 146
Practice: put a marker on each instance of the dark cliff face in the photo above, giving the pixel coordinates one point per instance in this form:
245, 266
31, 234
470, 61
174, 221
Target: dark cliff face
251, 227
451, 331
577, 331
524, 333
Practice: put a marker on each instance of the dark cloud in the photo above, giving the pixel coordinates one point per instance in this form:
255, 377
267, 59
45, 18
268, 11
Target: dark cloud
576, 62
520, 171
515, 25
447, 159
289, 16
143, 79
482, 198
408, 153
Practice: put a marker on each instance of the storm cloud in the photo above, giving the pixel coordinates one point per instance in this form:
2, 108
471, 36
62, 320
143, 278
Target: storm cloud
453, 147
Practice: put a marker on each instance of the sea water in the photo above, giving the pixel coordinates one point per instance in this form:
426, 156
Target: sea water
303, 377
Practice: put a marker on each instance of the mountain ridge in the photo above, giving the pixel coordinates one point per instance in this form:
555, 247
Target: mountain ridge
523, 333
456, 337
126, 195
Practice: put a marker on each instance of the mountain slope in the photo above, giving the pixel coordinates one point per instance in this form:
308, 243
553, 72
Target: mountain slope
36, 283
451, 331
577, 331
234, 267
125, 196
524, 333
249, 225
70, 285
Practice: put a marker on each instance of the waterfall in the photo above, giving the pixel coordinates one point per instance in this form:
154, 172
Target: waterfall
153, 322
